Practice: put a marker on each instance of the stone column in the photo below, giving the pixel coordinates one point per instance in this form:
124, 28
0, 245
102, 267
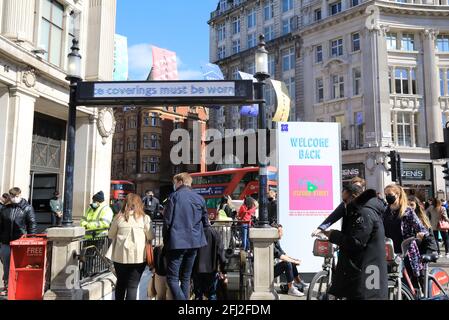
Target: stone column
431, 88
18, 19
16, 142
65, 273
412, 129
395, 127
263, 241
324, 9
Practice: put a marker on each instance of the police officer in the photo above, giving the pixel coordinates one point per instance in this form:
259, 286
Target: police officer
98, 217
361, 272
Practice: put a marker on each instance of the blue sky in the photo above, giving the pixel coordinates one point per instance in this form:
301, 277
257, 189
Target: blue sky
175, 25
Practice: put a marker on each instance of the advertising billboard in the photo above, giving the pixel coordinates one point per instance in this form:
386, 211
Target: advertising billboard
309, 184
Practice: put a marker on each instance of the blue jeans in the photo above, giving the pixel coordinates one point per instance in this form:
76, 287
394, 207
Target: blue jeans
205, 284
245, 237
179, 267
5, 255
288, 268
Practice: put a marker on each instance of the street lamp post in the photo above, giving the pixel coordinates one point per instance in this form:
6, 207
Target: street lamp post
74, 76
262, 75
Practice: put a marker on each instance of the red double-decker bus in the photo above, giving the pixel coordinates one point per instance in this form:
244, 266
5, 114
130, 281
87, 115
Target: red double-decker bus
237, 183
120, 188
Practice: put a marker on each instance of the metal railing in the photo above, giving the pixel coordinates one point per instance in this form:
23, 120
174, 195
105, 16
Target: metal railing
92, 257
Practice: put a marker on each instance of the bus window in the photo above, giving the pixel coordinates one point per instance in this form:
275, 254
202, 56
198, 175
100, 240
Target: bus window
213, 203
212, 179
123, 187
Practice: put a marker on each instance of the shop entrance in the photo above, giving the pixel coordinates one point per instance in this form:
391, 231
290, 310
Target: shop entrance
46, 160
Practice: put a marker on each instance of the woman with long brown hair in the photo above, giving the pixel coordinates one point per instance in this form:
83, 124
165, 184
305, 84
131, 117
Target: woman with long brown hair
401, 223
428, 245
130, 232
438, 212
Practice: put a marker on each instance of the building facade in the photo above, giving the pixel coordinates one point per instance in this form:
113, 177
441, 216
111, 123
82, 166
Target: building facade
235, 27
142, 146
380, 69
35, 38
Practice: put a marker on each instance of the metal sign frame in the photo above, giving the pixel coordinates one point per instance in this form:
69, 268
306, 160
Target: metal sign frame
152, 93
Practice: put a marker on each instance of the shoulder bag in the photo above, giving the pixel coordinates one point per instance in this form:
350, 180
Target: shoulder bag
443, 225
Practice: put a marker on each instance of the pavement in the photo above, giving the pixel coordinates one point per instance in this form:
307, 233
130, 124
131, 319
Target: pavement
142, 292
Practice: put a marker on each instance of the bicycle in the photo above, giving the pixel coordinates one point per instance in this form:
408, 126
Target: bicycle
321, 282
397, 275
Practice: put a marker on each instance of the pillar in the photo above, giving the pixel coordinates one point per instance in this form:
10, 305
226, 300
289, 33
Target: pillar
18, 19
263, 242
16, 141
431, 88
324, 9
64, 265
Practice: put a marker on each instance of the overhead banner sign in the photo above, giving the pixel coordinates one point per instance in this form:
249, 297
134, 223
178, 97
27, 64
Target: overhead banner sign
283, 101
165, 92
309, 184
120, 58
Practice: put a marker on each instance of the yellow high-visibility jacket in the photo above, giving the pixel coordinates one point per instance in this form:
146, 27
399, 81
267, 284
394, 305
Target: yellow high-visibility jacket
99, 219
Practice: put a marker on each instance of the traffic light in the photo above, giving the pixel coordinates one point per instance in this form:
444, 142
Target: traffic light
446, 171
393, 167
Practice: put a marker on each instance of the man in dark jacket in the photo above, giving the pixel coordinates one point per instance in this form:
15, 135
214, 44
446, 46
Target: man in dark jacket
361, 272
184, 219
151, 205
208, 261
16, 220
272, 207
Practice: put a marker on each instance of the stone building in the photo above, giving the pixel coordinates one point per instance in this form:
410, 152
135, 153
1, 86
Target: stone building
380, 68
35, 38
142, 146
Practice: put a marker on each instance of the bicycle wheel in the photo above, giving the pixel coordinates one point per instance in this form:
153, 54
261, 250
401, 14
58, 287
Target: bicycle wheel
319, 286
406, 293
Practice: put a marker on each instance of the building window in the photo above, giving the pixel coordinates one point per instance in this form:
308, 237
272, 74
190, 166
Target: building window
319, 90
392, 41
132, 122
443, 43
268, 10
404, 122
408, 42
341, 119
359, 129
317, 14
235, 73
290, 83
223, 5
288, 59
335, 8
271, 64
251, 40
251, 68
357, 76
269, 33
355, 3
251, 18
288, 25
150, 164
338, 86
235, 25
444, 82
221, 52
402, 80
52, 31
287, 5
355, 41
236, 46
337, 47
221, 32
442, 79
154, 141
131, 143
319, 53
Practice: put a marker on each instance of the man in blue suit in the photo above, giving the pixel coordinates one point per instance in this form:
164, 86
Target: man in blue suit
185, 215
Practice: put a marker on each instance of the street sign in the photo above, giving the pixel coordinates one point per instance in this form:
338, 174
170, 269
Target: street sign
160, 93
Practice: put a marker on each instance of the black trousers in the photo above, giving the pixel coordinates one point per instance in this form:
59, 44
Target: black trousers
128, 278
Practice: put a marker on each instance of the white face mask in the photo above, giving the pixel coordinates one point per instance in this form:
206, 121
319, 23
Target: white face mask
16, 200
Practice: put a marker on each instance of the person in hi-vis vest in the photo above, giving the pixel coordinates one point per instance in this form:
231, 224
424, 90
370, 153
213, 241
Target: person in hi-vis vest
98, 217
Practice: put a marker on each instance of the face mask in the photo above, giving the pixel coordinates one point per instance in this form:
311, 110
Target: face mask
270, 199
390, 199
16, 200
94, 206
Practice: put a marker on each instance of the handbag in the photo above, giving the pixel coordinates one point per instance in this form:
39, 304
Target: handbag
149, 254
443, 225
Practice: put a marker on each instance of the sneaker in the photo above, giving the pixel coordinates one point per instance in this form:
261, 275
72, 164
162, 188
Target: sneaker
293, 291
299, 286
304, 284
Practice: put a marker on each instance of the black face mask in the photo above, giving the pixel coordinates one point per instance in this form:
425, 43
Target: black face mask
270, 199
390, 199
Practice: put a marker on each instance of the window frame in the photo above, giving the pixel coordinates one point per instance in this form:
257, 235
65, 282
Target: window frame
52, 24
355, 42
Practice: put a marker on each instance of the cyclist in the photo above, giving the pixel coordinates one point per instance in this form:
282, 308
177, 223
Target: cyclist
340, 211
400, 223
361, 272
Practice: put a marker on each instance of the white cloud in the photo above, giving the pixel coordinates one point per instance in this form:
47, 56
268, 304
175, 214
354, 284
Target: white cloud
190, 75
140, 61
